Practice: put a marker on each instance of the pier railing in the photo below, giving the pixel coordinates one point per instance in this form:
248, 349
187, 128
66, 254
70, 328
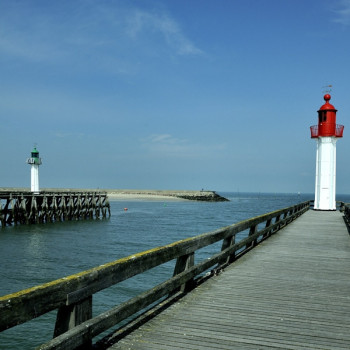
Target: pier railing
72, 296
345, 207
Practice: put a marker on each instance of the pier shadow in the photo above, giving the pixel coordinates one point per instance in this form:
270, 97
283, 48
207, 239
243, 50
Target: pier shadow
132, 325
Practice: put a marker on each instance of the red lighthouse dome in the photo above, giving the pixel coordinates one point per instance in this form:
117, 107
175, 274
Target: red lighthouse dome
327, 105
327, 126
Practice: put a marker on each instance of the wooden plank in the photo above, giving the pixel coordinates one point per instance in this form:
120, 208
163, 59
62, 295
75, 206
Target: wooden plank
290, 292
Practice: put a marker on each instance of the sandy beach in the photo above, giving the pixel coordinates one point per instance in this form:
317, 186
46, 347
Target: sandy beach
161, 195
140, 196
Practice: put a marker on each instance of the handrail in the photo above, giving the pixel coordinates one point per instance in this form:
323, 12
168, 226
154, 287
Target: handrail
345, 207
72, 295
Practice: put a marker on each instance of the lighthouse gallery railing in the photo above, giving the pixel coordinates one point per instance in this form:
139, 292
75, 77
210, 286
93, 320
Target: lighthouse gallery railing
337, 133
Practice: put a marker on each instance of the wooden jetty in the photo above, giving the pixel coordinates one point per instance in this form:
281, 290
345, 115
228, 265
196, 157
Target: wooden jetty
25, 207
291, 292
276, 283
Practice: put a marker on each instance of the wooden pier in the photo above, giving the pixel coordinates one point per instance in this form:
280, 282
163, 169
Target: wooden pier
291, 292
25, 207
276, 283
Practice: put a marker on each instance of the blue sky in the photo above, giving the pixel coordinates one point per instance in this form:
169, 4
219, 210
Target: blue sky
177, 94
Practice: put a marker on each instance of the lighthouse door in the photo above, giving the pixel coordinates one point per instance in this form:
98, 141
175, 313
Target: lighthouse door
324, 198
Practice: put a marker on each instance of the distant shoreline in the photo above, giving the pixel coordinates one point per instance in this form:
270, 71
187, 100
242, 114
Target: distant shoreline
146, 197
209, 196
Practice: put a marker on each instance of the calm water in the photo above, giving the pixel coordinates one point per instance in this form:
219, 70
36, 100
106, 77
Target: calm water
31, 255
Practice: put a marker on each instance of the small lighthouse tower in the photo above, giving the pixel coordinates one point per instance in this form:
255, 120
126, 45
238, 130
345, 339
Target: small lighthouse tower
326, 134
34, 162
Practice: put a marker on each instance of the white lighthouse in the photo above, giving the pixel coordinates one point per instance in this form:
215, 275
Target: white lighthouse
34, 162
326, 134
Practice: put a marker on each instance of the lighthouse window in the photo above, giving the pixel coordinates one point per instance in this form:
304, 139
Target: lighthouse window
322, 117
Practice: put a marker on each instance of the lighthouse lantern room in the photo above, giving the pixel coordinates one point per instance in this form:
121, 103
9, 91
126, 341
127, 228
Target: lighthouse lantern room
34, 162
326, 134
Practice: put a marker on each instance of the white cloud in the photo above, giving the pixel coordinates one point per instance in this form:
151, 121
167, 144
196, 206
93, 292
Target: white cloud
169, 146
342, 12
165, 144
142, 21
97, 34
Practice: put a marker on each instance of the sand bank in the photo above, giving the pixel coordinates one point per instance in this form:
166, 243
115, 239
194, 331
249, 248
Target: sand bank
139, 196
209, 196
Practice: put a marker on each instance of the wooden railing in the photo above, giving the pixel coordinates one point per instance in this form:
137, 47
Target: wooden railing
72, 295
345, 207
347, 210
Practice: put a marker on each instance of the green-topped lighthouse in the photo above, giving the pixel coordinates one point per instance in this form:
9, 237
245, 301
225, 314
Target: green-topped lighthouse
34, 161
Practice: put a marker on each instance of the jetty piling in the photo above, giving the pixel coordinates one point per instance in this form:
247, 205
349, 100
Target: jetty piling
25, 207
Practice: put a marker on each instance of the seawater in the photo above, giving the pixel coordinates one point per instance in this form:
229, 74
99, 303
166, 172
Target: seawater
35, 254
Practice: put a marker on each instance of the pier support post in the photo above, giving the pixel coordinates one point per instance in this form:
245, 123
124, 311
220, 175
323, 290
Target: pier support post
2, 217
252, 231
228, 242
268, 224
277, 220
31, 208
70, 316
183, 263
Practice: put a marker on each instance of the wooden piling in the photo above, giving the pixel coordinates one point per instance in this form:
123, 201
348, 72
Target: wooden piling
25, 207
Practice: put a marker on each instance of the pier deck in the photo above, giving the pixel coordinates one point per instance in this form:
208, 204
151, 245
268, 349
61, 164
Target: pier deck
290, 292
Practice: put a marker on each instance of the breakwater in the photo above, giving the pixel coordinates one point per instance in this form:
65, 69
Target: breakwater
208, 196
20, 206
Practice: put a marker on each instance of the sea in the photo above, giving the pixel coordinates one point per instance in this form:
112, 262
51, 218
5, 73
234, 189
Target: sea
34, 254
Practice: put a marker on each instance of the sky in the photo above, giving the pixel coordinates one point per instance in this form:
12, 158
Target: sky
171, 94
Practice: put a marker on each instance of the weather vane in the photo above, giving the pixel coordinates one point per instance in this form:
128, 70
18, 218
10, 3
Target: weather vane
327, 89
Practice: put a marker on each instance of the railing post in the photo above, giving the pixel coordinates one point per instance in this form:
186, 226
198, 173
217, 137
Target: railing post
70, 316
268, 224
277, 219
253, 229
347, 211
228, 242
183, 263
2, 217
